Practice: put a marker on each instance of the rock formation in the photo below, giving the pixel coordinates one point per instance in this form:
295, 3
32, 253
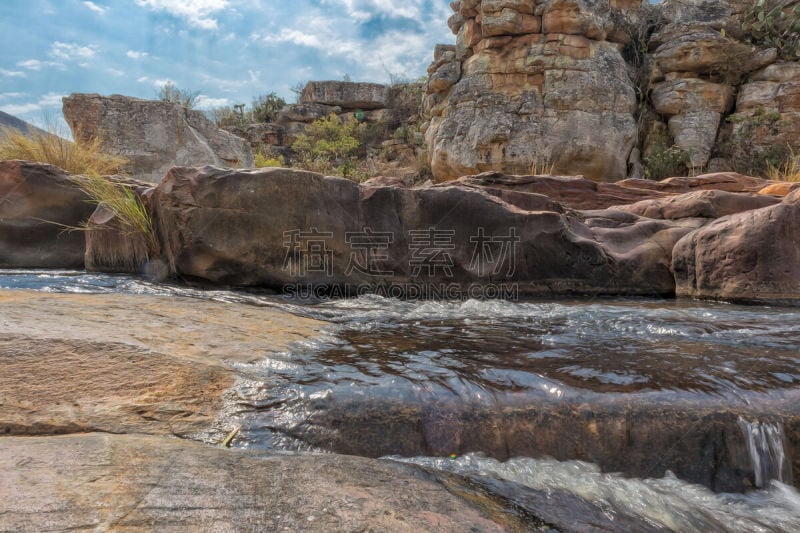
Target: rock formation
41, 211
750, 256
206, 216
530, 86
349, 96
153, 135
140, 483
586, 86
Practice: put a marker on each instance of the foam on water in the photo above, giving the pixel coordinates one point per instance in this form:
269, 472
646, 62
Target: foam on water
667, 502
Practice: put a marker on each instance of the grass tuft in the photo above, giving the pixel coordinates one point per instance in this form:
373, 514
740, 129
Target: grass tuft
789, 170
132, 216
82, 157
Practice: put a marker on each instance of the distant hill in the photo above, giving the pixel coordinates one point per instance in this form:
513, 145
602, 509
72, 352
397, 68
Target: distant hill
10, 121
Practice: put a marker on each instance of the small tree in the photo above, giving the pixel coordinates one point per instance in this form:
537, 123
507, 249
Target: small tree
169, 92
329, 144
265, 107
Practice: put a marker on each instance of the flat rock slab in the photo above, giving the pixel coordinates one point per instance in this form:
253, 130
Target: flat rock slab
122, 363
135, 482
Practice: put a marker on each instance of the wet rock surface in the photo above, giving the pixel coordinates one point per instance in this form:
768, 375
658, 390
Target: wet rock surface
134, 482
125, 363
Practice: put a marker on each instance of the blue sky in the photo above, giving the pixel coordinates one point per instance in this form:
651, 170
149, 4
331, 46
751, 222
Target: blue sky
228, 50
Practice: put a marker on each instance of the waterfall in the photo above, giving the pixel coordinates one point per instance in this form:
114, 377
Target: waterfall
767, 453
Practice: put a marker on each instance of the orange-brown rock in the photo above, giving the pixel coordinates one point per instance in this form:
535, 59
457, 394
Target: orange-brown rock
780, 189
533, 85
126, 364
752, 256
148, 483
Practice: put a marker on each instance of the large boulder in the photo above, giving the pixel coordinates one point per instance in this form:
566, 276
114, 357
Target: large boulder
751, 256
346, 94
153, 135
319, 231
530, 89
41, 213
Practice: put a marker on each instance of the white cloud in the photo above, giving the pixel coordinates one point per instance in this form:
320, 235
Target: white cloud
198, 13
100, 10
206, 102
69, 51
49, 100
365, 9
133, 54
6, 96
161, 83
12, 73
143, 79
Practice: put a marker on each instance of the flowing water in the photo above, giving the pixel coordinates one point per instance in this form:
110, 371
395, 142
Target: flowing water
683, 414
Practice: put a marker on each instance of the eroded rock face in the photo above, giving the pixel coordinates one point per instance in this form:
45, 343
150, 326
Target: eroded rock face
153, 135
147, 483
38, 205
531, 86
768, 107
751, 256
209, 215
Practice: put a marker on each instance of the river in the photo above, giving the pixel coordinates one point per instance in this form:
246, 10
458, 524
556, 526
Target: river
684, 415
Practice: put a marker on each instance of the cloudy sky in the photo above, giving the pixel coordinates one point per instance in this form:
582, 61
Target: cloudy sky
228, 50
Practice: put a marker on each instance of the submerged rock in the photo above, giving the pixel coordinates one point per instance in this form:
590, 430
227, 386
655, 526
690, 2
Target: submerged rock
41, 212
751, 256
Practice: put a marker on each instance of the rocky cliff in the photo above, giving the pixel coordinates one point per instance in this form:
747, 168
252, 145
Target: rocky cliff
586, 86
153, 135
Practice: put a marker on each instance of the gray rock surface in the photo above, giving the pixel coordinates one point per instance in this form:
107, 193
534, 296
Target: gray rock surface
345, 94
153, 135
144, 483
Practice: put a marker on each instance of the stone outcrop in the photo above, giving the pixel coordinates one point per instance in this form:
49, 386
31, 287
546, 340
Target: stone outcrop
347, 95
153, 135
768, 107
588, 86
118, 373
41, 212
560, 251
138, 483
530, 86
702, 204
751, 256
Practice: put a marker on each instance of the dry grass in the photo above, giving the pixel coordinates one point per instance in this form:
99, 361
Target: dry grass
132, 216
542, 168
788, 171
81, 157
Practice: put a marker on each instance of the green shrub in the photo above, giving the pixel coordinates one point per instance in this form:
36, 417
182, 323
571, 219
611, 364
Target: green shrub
663, 159
262, 160
329, 145
768, 24
265, 107
747, 156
